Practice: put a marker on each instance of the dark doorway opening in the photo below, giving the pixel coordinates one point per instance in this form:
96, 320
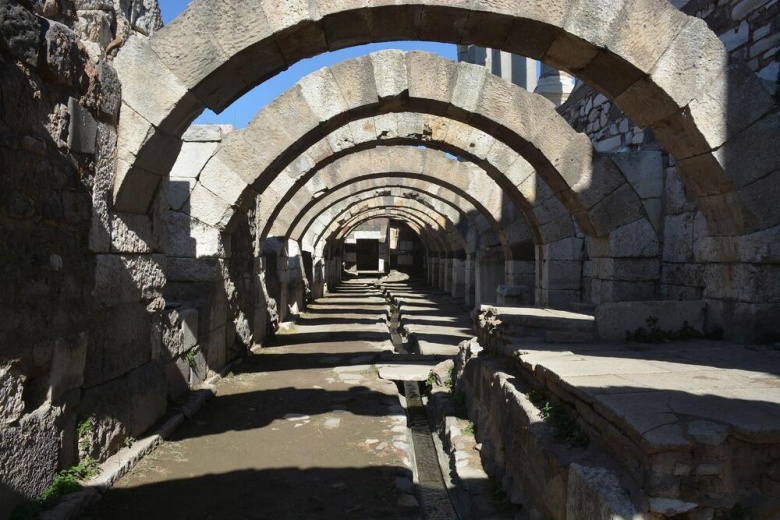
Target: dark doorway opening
367, 254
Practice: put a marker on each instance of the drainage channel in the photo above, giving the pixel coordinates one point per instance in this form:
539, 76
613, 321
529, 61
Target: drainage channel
433, 493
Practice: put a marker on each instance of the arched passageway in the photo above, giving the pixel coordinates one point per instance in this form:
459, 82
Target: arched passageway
132, 275
649, 82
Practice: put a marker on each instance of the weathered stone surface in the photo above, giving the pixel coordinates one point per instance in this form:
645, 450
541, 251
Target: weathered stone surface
179, 329
121, 342
177, 375
139, 66
595, 492
637, 239
626, 269
208, 207
62, 57
126, 406
67, 366
126, 279
708, 433
219, 178
390, 73
193, 269
742, 282
670, 506
30, 470
188, 237
143, 15
11, 388
131, 233
617, 318
82, 129
179, 189
193, 156
22, 32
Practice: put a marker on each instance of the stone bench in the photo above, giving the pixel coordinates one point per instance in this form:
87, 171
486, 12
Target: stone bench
693, 425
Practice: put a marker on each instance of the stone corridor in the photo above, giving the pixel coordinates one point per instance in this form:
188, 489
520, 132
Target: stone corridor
304, 428
568, 208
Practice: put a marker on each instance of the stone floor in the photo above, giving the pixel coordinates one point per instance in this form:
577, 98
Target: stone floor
433, 323
305, 429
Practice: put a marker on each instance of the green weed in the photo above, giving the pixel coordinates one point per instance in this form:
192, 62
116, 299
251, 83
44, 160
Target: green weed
654, 334
559, 417
67, 481
84, 432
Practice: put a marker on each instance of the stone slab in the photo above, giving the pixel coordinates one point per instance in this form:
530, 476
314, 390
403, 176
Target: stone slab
416, 372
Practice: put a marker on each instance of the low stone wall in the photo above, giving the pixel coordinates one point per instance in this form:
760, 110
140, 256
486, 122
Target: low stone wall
548, 478
688, 427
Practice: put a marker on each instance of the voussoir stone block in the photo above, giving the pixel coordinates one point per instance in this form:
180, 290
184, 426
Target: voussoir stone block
430, 77
592, 20
390, 73
172, 107
284, 15
322, 93
193, 157
355, 80
467, 90
188, 47
640, 43
694, 48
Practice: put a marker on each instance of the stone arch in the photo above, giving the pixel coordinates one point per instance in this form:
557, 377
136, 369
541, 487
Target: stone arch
489, 235
672, 75
431, 240
466, 215
580, 183
439, 220
533, 198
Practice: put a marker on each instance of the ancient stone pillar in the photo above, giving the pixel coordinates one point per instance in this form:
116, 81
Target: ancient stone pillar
433, 278
469, 281
559, 268
489, 274
318, 279
445, 274
554, 84
458, 289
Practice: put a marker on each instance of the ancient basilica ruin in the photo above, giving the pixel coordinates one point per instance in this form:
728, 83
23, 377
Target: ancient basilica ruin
596, 238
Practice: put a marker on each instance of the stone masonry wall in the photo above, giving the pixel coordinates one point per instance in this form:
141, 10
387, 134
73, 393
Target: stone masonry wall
79, 288
692, 265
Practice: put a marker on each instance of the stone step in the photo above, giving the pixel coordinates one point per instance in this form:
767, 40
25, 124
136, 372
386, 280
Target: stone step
538, 318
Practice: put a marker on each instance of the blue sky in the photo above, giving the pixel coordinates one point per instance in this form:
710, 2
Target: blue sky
242, 111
